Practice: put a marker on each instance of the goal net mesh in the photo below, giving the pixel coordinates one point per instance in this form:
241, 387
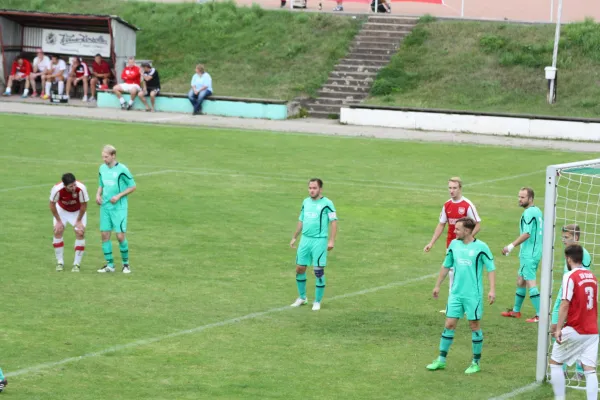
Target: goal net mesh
577, 202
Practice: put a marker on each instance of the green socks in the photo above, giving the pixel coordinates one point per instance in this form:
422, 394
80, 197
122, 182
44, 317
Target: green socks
124, 247
320, 289
108, 255
445, 343
477, 340
301, 283
519, 297
534, 295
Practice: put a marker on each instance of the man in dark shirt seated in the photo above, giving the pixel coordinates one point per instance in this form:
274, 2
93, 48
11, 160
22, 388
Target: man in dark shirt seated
150, 83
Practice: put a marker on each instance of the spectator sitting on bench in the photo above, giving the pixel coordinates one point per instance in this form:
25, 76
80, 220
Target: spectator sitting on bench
131, 76
78, 72
100, 75
201, 88
41, 64
20, 71
151, 83
56, 73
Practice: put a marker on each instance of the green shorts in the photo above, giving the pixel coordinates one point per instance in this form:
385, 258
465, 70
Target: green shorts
528, 268
457, 307
312, 252
113, 220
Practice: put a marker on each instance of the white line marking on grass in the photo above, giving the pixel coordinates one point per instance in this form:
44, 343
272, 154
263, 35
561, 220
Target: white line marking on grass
167, 171
506, 178
201, 328
517, 392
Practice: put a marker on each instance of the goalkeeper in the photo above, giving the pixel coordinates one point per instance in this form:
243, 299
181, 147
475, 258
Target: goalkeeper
570, 235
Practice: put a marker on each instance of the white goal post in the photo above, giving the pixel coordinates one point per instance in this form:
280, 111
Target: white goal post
572, 196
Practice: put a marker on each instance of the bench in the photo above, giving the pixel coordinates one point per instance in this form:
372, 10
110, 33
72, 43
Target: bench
213, 105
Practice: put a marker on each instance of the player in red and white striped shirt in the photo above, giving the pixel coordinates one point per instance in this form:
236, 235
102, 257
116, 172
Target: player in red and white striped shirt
454, 209
78, 72
578, 339
68, 204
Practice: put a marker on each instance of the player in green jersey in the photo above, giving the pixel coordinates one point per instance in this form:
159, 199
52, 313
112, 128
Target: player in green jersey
315, 216
530, 240
115, 184
570, 235
468, 256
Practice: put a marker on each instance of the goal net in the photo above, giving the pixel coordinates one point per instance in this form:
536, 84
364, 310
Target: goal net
572, 196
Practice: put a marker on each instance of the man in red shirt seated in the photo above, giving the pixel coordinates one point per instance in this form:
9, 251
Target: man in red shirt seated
131, 77
78, 72
101, 74
21, 68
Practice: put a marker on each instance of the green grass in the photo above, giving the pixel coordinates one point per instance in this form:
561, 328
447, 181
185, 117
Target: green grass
249, 52
210, 242
493, 67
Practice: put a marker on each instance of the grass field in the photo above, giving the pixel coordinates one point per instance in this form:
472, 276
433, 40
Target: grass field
249, 52
493, 67
204, 316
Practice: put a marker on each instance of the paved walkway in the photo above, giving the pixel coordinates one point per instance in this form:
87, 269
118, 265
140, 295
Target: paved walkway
308, 126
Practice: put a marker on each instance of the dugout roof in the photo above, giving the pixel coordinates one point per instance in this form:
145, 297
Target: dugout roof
86, 22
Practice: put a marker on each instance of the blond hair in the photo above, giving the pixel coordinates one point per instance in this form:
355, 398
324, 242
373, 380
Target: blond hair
456, 179
109, 149
573, 229
200, 67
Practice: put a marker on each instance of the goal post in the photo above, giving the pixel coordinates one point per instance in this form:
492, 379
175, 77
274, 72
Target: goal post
572, 196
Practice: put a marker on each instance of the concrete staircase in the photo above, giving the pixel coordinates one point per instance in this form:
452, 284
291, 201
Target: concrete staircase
352, 78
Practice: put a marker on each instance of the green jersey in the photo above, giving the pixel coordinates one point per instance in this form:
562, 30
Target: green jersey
468, 261
316, 216
531, 223
587, 261
113, 181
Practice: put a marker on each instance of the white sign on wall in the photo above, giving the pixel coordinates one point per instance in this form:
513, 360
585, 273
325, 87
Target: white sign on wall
76, 42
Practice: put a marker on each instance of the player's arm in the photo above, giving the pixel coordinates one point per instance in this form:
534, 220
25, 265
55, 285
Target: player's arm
125, 192
517, 242
331, 243
54, 211
446, 265
491, 269
296, 233
563, 311
99, 191
439, 229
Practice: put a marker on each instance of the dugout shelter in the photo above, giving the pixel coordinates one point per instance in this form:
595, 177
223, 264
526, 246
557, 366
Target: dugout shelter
82, 35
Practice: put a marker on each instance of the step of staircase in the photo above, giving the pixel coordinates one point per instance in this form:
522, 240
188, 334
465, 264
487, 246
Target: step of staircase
357, 68
345, 88
366, 83
370, 26
378, 40
382, 34
347, 96
363, 62
372, 44
365, 51
362, 75
394, 20
330, 109
335, 101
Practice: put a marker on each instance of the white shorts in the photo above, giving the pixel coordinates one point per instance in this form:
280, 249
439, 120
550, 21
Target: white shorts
576, 347
67, 217
128, 87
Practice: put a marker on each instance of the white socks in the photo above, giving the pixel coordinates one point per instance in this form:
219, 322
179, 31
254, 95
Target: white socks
79, 250
557, 377
61, 87
59, 250
591, 385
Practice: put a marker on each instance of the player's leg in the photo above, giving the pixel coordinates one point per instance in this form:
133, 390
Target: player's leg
58, 243
61, 84
454, 311
8, 86
117, 90
153, 99
303, 259
106, 227
84, 81
566, 352
79, 244
93, 85
3, 381
120, 224
319, 256
589, 359
519, 298
529, 274
133, 92
70, 81
143, 100
26, 90
48, 85
474, 311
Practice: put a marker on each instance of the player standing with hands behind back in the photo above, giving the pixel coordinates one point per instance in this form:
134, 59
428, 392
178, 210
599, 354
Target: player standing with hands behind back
452, 210
315, 216
530, 254
115, 184
578, 339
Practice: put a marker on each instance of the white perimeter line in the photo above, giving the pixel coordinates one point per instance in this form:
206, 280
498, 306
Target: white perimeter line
506, 178
52, 184
517, 392
201, 328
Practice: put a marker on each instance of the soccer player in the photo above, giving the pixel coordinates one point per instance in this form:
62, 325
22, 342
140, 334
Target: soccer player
115, 184
315, 216
530, 240
20, 71
131, 77
467, 256
578, 339
68, 204
150, 83
56, 73
570, 235
455, 208
3, 381
78, 72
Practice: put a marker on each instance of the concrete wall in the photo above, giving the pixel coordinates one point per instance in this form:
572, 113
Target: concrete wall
525, 126
249, 109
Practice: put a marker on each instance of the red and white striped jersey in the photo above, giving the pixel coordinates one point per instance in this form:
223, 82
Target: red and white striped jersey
69, 201
453, 210
580, 288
